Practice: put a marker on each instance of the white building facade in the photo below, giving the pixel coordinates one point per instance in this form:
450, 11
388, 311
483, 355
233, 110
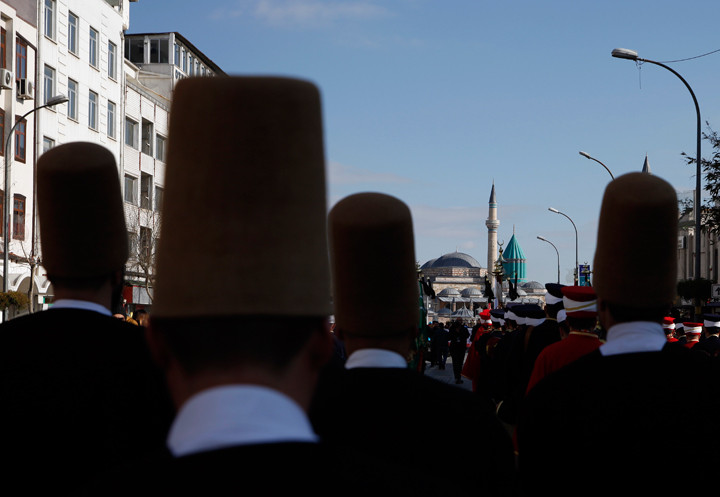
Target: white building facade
118, 88
19, 22
154, 63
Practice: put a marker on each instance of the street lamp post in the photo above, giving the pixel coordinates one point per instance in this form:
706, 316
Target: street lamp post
58, 99
585, 154
624, 53
575, 272
556, 251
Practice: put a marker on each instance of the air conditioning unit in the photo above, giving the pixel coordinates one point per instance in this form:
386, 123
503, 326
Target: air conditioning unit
6, 78
25, 89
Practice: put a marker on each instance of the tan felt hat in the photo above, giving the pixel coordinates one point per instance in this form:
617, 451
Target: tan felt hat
636, 253
372, 253
244, 211
80, 210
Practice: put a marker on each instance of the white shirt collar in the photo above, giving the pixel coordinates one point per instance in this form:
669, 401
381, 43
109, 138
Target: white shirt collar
375, 358
237, 415
80, 304
636, 336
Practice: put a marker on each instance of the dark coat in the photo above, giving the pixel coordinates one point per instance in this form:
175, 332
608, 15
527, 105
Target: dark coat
399, 418
709, 345
282, 469
80, 394
621, 422
526, 348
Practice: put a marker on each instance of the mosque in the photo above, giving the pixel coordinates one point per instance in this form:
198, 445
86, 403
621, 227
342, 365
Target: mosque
459, 282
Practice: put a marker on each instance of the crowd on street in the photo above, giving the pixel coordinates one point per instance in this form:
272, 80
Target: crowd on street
236, 387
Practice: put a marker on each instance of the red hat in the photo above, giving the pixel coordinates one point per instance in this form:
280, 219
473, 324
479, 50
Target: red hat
668, 323
579, 301
485, 317
693, 328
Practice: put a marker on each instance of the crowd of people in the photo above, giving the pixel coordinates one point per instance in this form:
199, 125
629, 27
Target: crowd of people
238, 387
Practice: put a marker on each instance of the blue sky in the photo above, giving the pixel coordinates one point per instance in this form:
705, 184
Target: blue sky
433, 100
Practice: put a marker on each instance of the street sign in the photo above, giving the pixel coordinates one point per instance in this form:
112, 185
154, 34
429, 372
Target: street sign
584, 275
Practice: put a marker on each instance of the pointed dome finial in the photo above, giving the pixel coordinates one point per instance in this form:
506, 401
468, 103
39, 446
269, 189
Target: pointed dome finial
646, 165
492, 193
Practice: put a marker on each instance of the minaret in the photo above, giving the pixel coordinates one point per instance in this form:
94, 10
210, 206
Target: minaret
492, 224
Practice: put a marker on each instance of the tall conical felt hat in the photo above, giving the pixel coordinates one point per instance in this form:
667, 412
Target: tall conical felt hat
371, 241
244, 212
80, 210
636, 254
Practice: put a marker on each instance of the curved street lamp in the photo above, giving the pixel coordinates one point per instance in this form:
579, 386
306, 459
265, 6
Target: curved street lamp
56, 100
585, 154
575, 272
624, 53
556, 251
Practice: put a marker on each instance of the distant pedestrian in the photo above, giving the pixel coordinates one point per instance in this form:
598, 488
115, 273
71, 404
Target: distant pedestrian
710, 340
440, 345
458, 335
580, 305
142, 317
669, 328
692, 332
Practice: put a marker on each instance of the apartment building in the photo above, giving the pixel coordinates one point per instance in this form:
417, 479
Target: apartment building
114, 89
18, 143
154, 63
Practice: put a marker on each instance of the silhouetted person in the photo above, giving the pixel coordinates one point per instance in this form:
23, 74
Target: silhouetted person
378, 408
603, 423
242, 333
80, 391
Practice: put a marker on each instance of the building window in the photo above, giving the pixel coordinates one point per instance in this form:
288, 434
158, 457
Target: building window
130, 189
159, 51
73, 23
158, 198
49, 87
3, 48
19, 217
133, 242
145, 191
160, 147
93, 110
177, 55
135, 50
131, 133
112, 56
93, 57
147, 137
111, 119
184, 61
48, 143
72, 109
49, 19
20, 59
20, 139
191, 64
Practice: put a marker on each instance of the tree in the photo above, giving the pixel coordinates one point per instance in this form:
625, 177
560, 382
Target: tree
710, 211
144, 232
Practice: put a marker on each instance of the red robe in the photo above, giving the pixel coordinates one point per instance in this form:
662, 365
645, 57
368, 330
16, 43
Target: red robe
561, 353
